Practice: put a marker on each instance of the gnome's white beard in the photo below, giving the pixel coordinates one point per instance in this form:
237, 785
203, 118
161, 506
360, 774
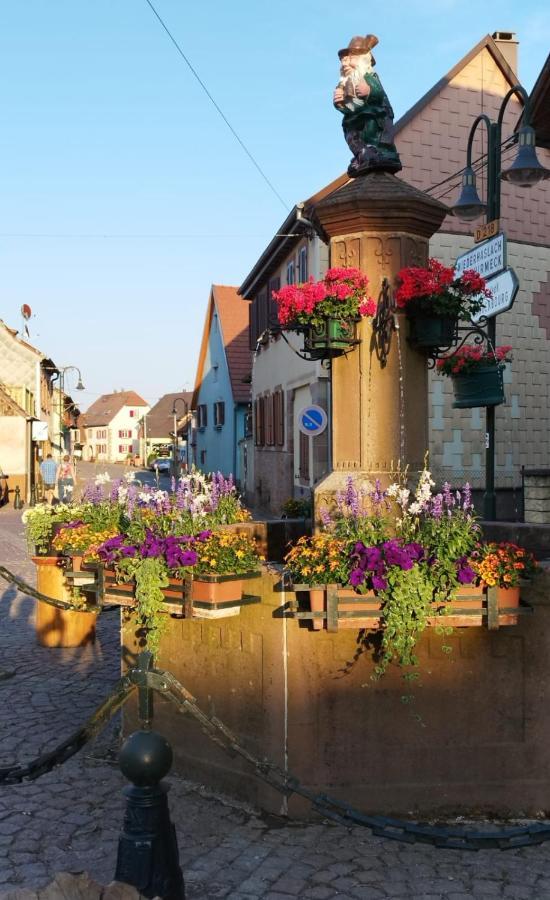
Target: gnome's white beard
363, 67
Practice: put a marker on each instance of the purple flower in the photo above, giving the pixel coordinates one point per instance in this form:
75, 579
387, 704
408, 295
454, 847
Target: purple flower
379, 583
437, 506
467, 497
203, 535
464, 571
325, 516
448, 498
356, 577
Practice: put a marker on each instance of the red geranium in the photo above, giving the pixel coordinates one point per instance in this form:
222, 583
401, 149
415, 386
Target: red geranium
434, 290
341, 294
471, 357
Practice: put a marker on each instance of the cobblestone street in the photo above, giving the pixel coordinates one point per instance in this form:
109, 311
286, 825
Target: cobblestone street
69, 820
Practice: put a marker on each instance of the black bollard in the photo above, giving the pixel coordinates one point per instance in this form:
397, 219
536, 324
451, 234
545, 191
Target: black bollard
148, 855
17, 501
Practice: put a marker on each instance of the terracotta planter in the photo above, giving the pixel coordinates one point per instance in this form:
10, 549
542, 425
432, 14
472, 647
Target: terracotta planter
216, 596
59, 627
317, 603
508, 597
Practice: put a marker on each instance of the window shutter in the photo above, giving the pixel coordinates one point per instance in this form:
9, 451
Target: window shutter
274, 285
279, 418
269, 420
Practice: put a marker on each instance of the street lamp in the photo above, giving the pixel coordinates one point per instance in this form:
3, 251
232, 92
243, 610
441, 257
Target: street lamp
525, 171
79, 387
174, 413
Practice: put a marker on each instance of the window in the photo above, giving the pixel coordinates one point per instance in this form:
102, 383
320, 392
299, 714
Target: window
132, 413
202, 415
125, 433
101, 433
123, 448
290, 273
302, 264
203, 457
279, 417
219, 414
304, 457
102, 449
259, 421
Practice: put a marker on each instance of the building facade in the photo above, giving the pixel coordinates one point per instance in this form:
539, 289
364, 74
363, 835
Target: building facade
221, 398
109, 431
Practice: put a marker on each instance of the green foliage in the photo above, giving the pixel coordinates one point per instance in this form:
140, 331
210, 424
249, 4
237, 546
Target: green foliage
150, 576
407, 607
296, 508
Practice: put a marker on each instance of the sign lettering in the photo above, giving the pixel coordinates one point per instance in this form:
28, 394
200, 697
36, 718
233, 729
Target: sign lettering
487, 259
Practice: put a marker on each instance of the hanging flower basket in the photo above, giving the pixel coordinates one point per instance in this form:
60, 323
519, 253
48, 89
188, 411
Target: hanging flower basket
331, 335
484, 387
432, 331
435, 300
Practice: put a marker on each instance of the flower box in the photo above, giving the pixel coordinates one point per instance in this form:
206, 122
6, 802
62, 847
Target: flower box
482, 387
206, 596
468, 607
57, 627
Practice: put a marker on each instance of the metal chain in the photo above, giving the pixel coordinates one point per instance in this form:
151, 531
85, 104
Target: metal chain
48, 761
451, 838
53, 601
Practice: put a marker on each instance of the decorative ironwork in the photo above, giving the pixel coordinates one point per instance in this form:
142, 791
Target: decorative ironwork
383, 324
480, 336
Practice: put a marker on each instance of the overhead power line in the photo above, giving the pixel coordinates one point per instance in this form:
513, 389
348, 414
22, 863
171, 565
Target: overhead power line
220, 111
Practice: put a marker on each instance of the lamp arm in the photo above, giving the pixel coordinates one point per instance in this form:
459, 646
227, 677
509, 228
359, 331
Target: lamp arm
481, 118
520, 92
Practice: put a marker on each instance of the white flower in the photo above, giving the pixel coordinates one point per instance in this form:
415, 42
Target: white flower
129, 477
415, 508
102, 479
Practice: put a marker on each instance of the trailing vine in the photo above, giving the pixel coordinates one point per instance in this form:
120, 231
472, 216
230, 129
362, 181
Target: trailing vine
150, 578
407, 607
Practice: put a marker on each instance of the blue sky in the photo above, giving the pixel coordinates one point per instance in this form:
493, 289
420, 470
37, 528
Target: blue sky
123, 195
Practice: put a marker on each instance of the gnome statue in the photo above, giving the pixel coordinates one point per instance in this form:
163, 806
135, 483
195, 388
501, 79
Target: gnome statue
367, 113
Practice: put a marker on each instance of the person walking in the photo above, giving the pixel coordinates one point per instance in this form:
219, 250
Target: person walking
66, 480
48, 471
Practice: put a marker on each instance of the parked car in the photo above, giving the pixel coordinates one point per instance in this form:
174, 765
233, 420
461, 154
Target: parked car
162, 465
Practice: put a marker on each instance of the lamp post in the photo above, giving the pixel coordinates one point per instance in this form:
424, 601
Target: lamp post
79, 387
174, 413
525, 171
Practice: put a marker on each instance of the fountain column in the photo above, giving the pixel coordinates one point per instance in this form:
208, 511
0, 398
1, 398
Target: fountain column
378, 223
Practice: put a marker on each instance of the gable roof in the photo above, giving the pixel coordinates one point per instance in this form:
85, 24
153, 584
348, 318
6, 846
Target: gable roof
160, 420
8, 403
540, 106
232, 314
485, 43
107, 406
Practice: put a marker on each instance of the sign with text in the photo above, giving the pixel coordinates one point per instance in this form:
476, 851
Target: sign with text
312, 420
489, 230
504, 288
487, 258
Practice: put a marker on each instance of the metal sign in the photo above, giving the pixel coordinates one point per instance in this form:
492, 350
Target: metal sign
39, 430
504, 288
489, 230
487, 258
312, 420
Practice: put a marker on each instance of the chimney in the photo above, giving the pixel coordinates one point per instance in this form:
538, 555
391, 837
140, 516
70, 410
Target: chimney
508, 43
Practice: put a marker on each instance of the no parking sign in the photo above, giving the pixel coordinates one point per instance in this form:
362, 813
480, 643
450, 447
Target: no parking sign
312, 420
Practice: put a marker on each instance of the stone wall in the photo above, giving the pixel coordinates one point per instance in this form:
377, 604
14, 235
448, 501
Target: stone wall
471, 735
536, 494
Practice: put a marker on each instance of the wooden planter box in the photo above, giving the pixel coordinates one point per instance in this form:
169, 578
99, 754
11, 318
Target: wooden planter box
59, 627
334, 607
207, 596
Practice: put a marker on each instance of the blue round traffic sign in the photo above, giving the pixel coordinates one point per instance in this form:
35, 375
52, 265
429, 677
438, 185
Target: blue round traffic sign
312, 420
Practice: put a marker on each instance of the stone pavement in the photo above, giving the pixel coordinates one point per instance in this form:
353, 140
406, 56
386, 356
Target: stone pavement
69, 819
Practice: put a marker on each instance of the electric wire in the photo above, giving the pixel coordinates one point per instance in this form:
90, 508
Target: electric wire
219, 110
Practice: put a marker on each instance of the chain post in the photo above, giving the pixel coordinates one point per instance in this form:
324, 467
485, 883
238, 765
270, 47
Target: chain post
148, 856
